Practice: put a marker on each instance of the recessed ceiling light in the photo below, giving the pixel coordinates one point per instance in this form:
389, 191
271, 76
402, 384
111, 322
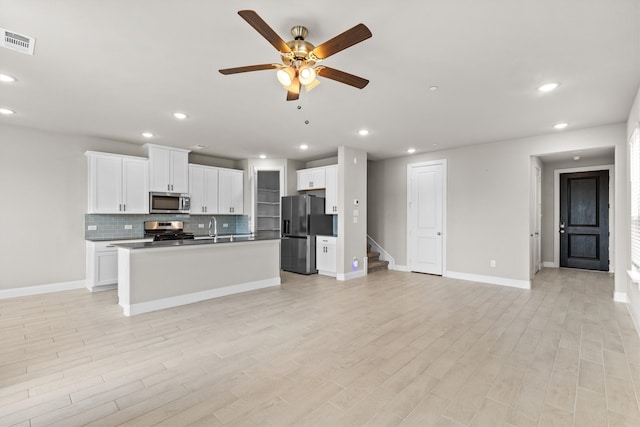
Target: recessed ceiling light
6, 111
433, 88
147, 134
6, 79
411, 150
560, 125
576, 157
548, 87
303, 146
363, 132
435, 144
198, 147
179, 116
263, 156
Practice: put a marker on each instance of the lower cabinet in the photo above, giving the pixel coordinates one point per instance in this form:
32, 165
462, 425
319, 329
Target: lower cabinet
102, 264
326, 256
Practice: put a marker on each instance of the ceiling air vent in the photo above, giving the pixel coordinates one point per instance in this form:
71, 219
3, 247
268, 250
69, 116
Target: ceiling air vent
18, 42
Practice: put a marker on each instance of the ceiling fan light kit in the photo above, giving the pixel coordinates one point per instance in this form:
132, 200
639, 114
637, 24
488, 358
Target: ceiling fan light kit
299, 56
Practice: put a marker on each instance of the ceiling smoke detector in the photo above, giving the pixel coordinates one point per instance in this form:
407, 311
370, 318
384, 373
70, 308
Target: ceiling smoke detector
18, 42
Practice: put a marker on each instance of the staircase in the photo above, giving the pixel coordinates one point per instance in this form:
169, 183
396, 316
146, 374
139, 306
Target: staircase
374, 261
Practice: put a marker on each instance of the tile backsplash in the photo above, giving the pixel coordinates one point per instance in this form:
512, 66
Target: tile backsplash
117, 226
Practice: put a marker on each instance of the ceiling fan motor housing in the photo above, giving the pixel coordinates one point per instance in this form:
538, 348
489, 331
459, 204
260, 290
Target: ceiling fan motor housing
300, 49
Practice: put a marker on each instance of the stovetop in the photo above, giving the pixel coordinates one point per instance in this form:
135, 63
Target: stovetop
166, 230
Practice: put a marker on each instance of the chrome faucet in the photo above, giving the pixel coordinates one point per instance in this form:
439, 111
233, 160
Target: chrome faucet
213, 222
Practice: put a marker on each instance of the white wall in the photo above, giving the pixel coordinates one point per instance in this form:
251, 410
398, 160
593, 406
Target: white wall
352, 236
632, 291
487, 199
44, 202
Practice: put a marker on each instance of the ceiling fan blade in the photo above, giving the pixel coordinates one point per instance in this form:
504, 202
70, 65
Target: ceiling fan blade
342, 41
265, 30
293, 91
248, 68
342, 77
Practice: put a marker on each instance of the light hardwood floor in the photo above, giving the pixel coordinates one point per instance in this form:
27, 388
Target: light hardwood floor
390, 349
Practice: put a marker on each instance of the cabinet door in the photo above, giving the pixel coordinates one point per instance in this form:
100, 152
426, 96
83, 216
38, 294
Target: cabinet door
159, 169
179, 172
135, 186
230, 192
197, 190
326, 261
106, 268
210, 178
311, 179
331, 192
105, 184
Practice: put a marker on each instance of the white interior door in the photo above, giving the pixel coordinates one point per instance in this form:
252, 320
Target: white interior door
425, 217
535, 220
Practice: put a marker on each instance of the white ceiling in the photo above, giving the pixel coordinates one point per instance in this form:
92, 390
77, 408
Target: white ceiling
116, 68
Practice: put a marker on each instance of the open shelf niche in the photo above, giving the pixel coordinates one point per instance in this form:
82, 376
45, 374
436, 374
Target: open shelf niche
268, 201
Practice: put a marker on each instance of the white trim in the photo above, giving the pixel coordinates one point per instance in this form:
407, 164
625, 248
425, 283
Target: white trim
549, 264
556, 209
42, 289
103, 288
351, 275
621, 297
160, 304
494, 280
253, 185
327, 273
410, 166
384, 255
399, 267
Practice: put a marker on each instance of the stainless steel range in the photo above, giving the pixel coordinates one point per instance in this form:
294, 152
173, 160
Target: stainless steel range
166, 230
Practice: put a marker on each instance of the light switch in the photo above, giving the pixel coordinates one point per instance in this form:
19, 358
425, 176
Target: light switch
356, 212
355, 219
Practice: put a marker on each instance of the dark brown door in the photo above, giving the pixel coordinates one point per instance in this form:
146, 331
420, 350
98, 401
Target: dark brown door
584, 220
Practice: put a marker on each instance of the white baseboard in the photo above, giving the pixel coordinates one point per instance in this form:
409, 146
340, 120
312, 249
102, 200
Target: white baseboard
42, 289
493, 280
161, 304
103, 288
621, 297
352, 275
327, 273
399, 267
549, 264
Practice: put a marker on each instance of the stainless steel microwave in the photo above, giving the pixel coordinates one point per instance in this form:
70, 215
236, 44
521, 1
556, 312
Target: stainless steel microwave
177, 203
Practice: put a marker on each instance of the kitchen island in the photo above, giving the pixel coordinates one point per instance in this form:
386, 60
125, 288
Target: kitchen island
158, 275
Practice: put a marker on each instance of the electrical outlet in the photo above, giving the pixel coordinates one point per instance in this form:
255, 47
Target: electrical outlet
355, 219
200, 225
225, 225
128, 227
492, 263
92, 227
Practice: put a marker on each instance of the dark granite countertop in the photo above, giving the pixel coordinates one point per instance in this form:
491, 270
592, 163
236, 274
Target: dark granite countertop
202, 240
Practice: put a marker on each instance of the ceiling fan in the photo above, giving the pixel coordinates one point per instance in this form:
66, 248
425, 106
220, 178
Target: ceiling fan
299, 57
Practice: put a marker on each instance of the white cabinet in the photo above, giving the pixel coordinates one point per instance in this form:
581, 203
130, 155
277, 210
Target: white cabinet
203, 189
102, 264
311, 179
331, 190
168, 169
326, 255
230, 191
117, 184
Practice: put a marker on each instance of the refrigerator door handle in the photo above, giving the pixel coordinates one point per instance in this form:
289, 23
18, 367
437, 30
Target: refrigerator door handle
285, 227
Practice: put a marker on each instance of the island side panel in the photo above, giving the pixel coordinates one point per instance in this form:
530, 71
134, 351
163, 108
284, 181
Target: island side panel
198, 271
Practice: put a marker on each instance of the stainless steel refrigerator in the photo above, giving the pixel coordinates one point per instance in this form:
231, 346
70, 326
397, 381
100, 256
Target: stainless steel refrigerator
303, 218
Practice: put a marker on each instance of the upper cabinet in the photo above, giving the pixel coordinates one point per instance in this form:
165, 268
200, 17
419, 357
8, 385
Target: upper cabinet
168, 169
230, 191
117, 184
311, 179
203, 189
216, 190
331, 190
321, 178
